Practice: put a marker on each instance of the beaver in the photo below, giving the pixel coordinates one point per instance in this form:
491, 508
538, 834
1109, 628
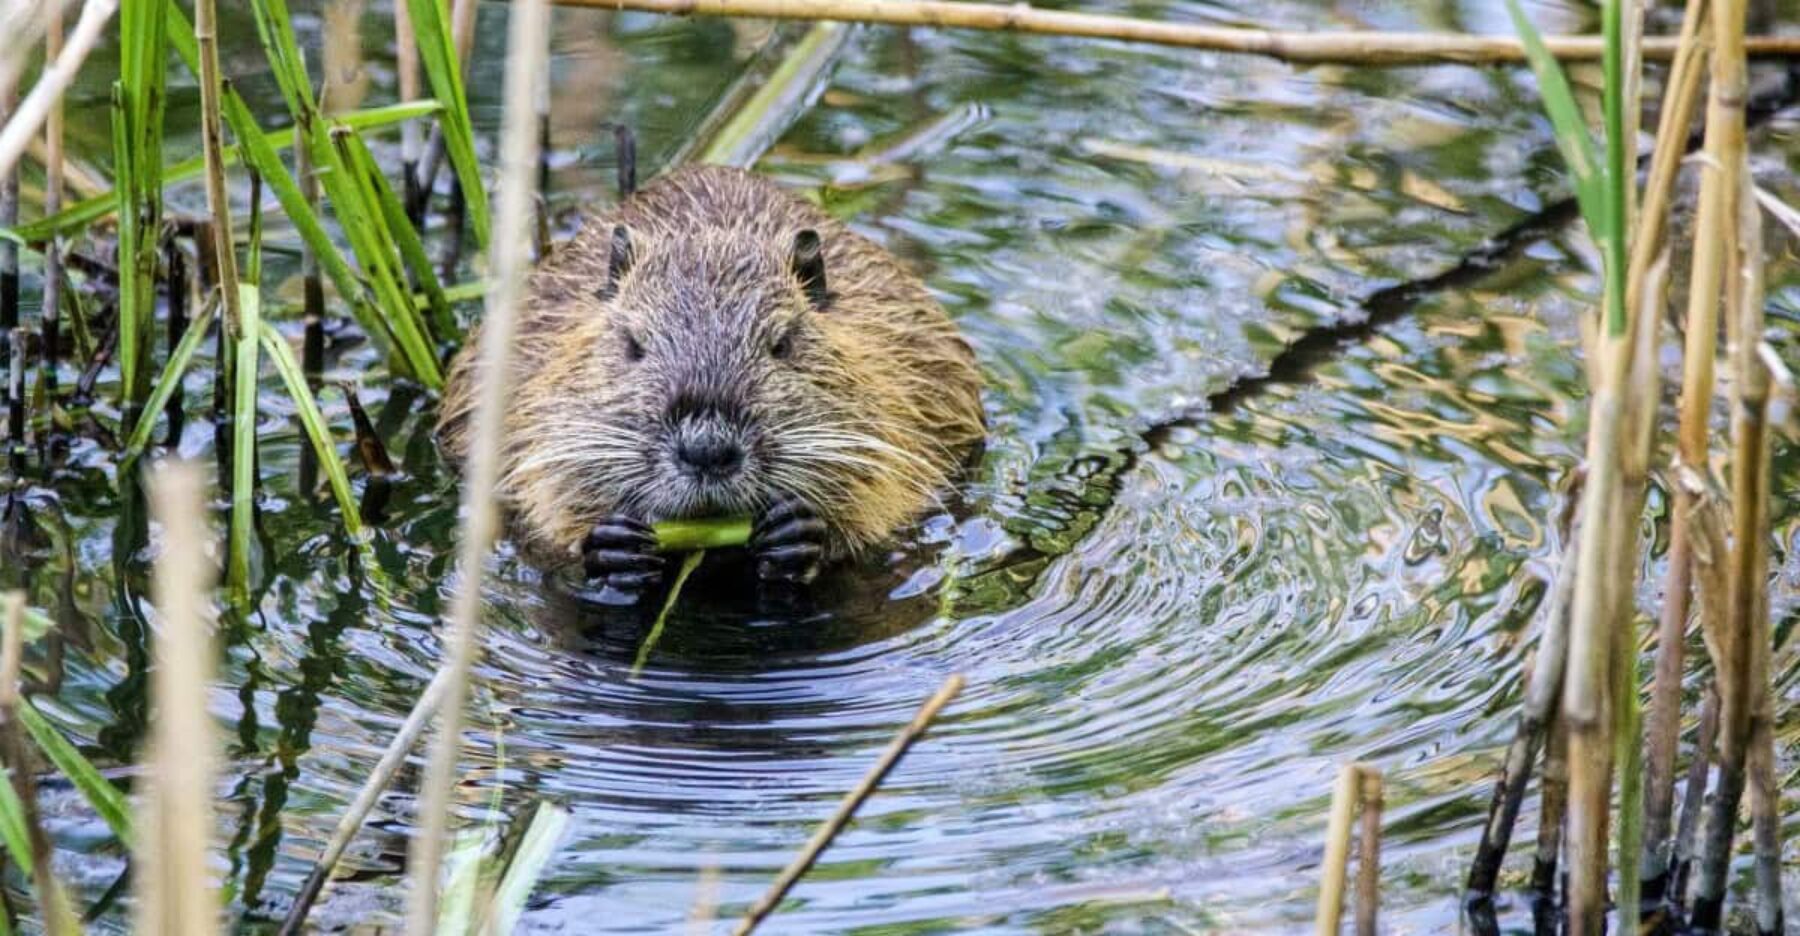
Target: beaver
713, 346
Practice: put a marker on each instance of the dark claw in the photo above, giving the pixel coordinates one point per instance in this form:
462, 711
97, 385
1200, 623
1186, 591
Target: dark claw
621, 552
620, 532
788, 543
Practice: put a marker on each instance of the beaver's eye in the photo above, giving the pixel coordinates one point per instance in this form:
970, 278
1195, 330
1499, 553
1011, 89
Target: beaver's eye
633, 350
783, 346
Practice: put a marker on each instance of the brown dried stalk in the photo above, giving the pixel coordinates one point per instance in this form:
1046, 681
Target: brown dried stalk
1346, 47
174, 890
821, 839
23, 125
206, 33
528, 44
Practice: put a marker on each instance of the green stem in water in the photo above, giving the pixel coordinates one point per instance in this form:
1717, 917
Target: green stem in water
688, 565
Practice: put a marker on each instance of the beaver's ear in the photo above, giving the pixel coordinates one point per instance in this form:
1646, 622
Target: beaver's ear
809, 267
618, 261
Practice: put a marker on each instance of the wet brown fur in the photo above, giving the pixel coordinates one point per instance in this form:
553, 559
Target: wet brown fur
866, 420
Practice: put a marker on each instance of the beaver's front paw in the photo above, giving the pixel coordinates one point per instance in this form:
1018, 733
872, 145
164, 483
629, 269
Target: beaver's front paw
621, 552
788, 543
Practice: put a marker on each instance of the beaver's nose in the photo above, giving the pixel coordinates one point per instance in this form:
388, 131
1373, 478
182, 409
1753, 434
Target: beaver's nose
710, 453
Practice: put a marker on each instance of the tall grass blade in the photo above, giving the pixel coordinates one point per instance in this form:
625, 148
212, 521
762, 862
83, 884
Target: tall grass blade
24, 833
1572, 137
356, 210
166, 386
243, 440
392, 225
99, 792
74, 218
548, 823
464, 863
12, 829
261, 155
758, 121
1618, 181
143, 77
132, 300
437, 52
314, 422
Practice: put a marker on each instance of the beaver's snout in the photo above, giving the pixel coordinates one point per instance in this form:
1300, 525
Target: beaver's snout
706, 432
708, 452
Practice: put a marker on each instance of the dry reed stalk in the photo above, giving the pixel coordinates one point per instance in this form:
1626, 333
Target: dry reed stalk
351, 821
1741, 668
462, 31
1335, 866
1357, 785
9, 252
218, 200
20, 25
52, 899
1599, 702
1693, 801
1554, 789
406, 65
1765, 812
24, 122
1606, 552
1368, 853
821, 839
527, 45
1754, 382
1640, 430
705, 911
1537, 715
1748, 492
1343, 47
174, 893
53, 195
15, 402
1664, 730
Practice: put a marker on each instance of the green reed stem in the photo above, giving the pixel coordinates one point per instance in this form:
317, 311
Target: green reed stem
143, 51
437, 52
313, 421
132, 300
243, 440
688, 564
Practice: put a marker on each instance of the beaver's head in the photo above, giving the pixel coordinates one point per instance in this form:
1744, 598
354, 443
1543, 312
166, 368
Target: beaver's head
716, 380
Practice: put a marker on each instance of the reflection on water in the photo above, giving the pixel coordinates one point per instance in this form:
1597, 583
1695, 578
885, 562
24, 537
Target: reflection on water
1174, 630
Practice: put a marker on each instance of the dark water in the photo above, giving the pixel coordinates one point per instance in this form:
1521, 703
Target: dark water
1174, 629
